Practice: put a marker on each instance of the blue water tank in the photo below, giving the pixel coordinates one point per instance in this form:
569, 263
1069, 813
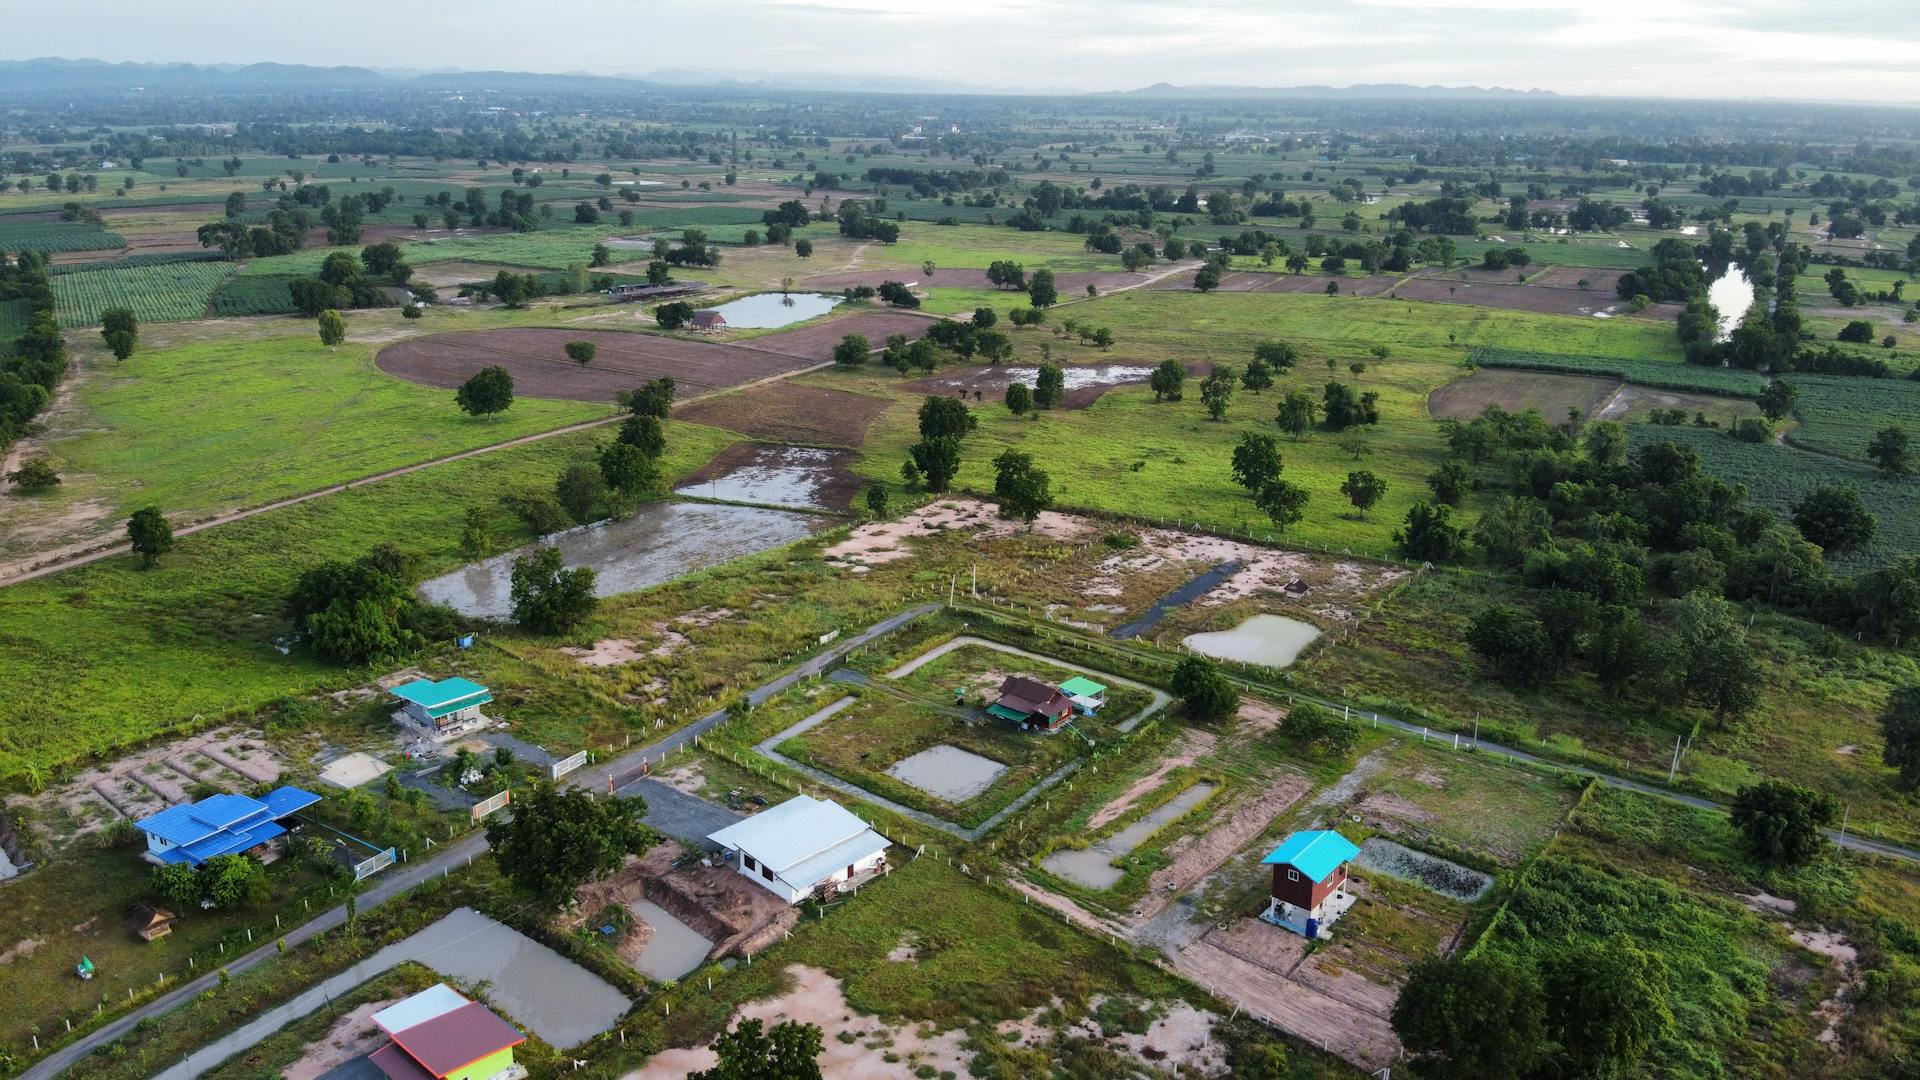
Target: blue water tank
1313, 929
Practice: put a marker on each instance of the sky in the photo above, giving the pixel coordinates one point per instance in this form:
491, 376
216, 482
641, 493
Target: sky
1857, 50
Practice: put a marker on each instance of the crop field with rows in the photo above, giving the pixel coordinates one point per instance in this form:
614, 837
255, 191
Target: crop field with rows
155, 293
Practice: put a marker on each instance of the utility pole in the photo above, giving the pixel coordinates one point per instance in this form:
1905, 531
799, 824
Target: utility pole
1843, 821
1675, 767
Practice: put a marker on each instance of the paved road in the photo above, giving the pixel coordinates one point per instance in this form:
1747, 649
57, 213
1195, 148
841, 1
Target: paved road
400, 879
680, 815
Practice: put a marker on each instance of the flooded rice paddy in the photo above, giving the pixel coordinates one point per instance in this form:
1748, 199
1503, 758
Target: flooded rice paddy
804, 477
674, 949
660, 542
1269, 640
947, 772
1094, 866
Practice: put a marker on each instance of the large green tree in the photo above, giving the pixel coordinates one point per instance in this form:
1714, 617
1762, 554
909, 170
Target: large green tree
555, 840
1834, 517
1478, 1016
1606, 1005
1900, 728
1023, 490
1782, 822
1203, 691
489, 391
1256, 461
150, 535
789, 1050
548, 598
1216, 390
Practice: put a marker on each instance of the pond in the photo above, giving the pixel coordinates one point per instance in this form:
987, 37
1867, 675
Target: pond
1443, 876
1093, 866
674, 949
660, 542
764, 311
1269, 640
803, 477
1731, 294
947, 772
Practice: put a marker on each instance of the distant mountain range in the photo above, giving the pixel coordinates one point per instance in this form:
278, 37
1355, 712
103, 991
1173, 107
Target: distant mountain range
57, 75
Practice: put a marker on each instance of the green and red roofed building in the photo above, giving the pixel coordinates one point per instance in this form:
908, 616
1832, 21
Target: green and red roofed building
1031, 704
1309, 881
440, 1035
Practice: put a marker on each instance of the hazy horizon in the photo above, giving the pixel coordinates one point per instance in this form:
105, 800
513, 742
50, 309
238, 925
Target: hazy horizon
1630, 48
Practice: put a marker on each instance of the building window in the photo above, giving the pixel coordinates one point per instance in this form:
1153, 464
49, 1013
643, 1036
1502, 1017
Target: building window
1292, 874
766, 872
747, 860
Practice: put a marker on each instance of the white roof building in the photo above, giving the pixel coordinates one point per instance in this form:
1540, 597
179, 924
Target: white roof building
802, 846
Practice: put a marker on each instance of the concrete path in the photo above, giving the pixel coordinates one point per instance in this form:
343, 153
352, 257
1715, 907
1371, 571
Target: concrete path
564, 1007
680, 815
400, 879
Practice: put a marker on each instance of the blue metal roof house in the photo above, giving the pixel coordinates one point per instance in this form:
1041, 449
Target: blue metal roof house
445, 707
1309, 875
192, 833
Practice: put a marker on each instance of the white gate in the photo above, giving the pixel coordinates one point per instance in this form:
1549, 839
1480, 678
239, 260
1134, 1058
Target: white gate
568, 764
363, 871
487, 806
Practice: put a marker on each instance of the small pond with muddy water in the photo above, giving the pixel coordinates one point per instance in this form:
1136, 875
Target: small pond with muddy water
1268, 640
659, 542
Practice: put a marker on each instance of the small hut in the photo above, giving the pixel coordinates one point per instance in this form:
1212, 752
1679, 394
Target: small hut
151, 923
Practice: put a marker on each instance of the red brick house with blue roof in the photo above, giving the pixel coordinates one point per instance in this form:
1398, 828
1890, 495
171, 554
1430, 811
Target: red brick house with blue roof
1309, 876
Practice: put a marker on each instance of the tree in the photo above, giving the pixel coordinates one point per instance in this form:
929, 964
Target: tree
1450, 483
944, 416
341, 269
176, 883
1344, 407
473, 533
803, 247
1167, 380
1900, 727
985, 318
1216, 390
1023, 490
1782, 821
1859, 331
898, 295
1717, 668
333, 329
1041, 292
1206, 279
1430, 534
548, 598
557, 840
35, 475
582, 492
1256, 461
1019, 399
628, 469
1006, 275
1835, 518
1891, 451
1296, 413
852, 351
936, 459
1258, 376
877, 501
1606, 1005
1323, 730
581, 352
654, 399
120, 328
1472, 1016
1777, 400
1512, 645
1363, 489
150, 535
1203, 691
1279, 355
644, 432
355, 611
232, 881
789, 1051
673, 316
1283, 503
311, 296
1049, 386
489, 391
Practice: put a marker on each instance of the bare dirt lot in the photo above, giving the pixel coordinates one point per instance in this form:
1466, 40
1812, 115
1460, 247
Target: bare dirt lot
537, 360
1516, 391
787, 412
1253, 281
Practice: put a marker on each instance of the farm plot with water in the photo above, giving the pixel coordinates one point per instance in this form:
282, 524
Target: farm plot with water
658, 543
802, 477
765, 311
1095, 866
1267, 640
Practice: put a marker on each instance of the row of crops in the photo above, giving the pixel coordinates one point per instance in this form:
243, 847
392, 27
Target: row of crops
1840, 414
14, 315
258, 294
56, 236
1664, 375
168, 293
1778, 477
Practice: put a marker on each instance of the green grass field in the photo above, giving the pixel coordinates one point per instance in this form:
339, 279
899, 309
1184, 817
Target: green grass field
1682, 377
208, 426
